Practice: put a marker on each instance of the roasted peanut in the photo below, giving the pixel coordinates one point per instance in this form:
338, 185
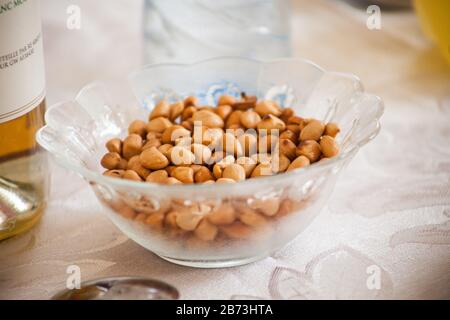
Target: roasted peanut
158, 124
173, 133
262, 169
294, 128
331, 129
190, 101
180, 155
203, 174
184, 174
208, 119
288, 134
176, 109
114, 145
251, 218
226, 100
206, 231
111, 160
249, 119
248, 164
172, 180
153, 159
135, 165
131, 175
234, 171
270, 122
162, 109
310, 149
123, 164
224, 111
287, 147
280, 163
132, 145
266, 107
187, 220
329, 146
299, 162
114, 173
268, 207
236, 231
159, 176
188, 112
151, 143
234, 118
286, 113
223, 215
155, 220
312, 131
137, 127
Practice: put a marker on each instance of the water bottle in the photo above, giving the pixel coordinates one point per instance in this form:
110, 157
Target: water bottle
192, 30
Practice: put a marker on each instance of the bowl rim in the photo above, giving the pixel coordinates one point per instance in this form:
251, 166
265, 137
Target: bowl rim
98, 177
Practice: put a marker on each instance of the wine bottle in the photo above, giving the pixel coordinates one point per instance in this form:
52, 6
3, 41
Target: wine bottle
23, 165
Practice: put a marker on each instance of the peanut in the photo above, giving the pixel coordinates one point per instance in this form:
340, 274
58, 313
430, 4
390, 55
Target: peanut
206, 231
187, 221
249, 119
310, 149
299, 162
329, 146
223, 215
236, 231
262, 169
114, 173
224, 111
131, 146
331, 129
111, 160
234, 118
208, 118
287, 148
203, 174
158, 124
159, 176
137, 127
312, 131
176, 109
162, 109
267, 107
183, 174
248, 164
180, 155
114, 145
153, 159
188, 112
226, 100
135, 165
131, 175
234, 171
270, 122
190, 101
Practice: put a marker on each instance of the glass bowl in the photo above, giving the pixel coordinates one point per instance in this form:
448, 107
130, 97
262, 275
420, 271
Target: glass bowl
77, 130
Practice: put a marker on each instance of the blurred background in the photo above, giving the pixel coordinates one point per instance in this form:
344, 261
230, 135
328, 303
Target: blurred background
115, 37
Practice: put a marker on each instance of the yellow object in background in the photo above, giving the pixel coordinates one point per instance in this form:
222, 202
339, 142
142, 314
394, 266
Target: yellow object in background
434, 16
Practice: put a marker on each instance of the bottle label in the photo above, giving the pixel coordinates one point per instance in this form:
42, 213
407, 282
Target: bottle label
22, 73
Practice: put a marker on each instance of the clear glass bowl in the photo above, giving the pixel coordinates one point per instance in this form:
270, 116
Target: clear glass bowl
76, 132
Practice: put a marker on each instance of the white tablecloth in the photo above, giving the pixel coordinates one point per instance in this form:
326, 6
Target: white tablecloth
390, 209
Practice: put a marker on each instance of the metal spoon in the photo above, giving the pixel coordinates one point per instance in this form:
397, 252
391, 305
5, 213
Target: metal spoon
120, 288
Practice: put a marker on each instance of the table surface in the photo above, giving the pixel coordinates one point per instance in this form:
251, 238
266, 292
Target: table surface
390, 208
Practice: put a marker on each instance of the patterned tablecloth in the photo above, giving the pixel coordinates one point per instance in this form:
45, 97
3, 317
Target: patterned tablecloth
390, 211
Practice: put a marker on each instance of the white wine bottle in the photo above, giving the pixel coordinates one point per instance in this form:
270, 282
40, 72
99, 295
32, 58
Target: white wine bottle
23, 165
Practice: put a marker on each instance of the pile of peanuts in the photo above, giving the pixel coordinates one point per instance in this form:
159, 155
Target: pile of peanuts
186, 143
237, 140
